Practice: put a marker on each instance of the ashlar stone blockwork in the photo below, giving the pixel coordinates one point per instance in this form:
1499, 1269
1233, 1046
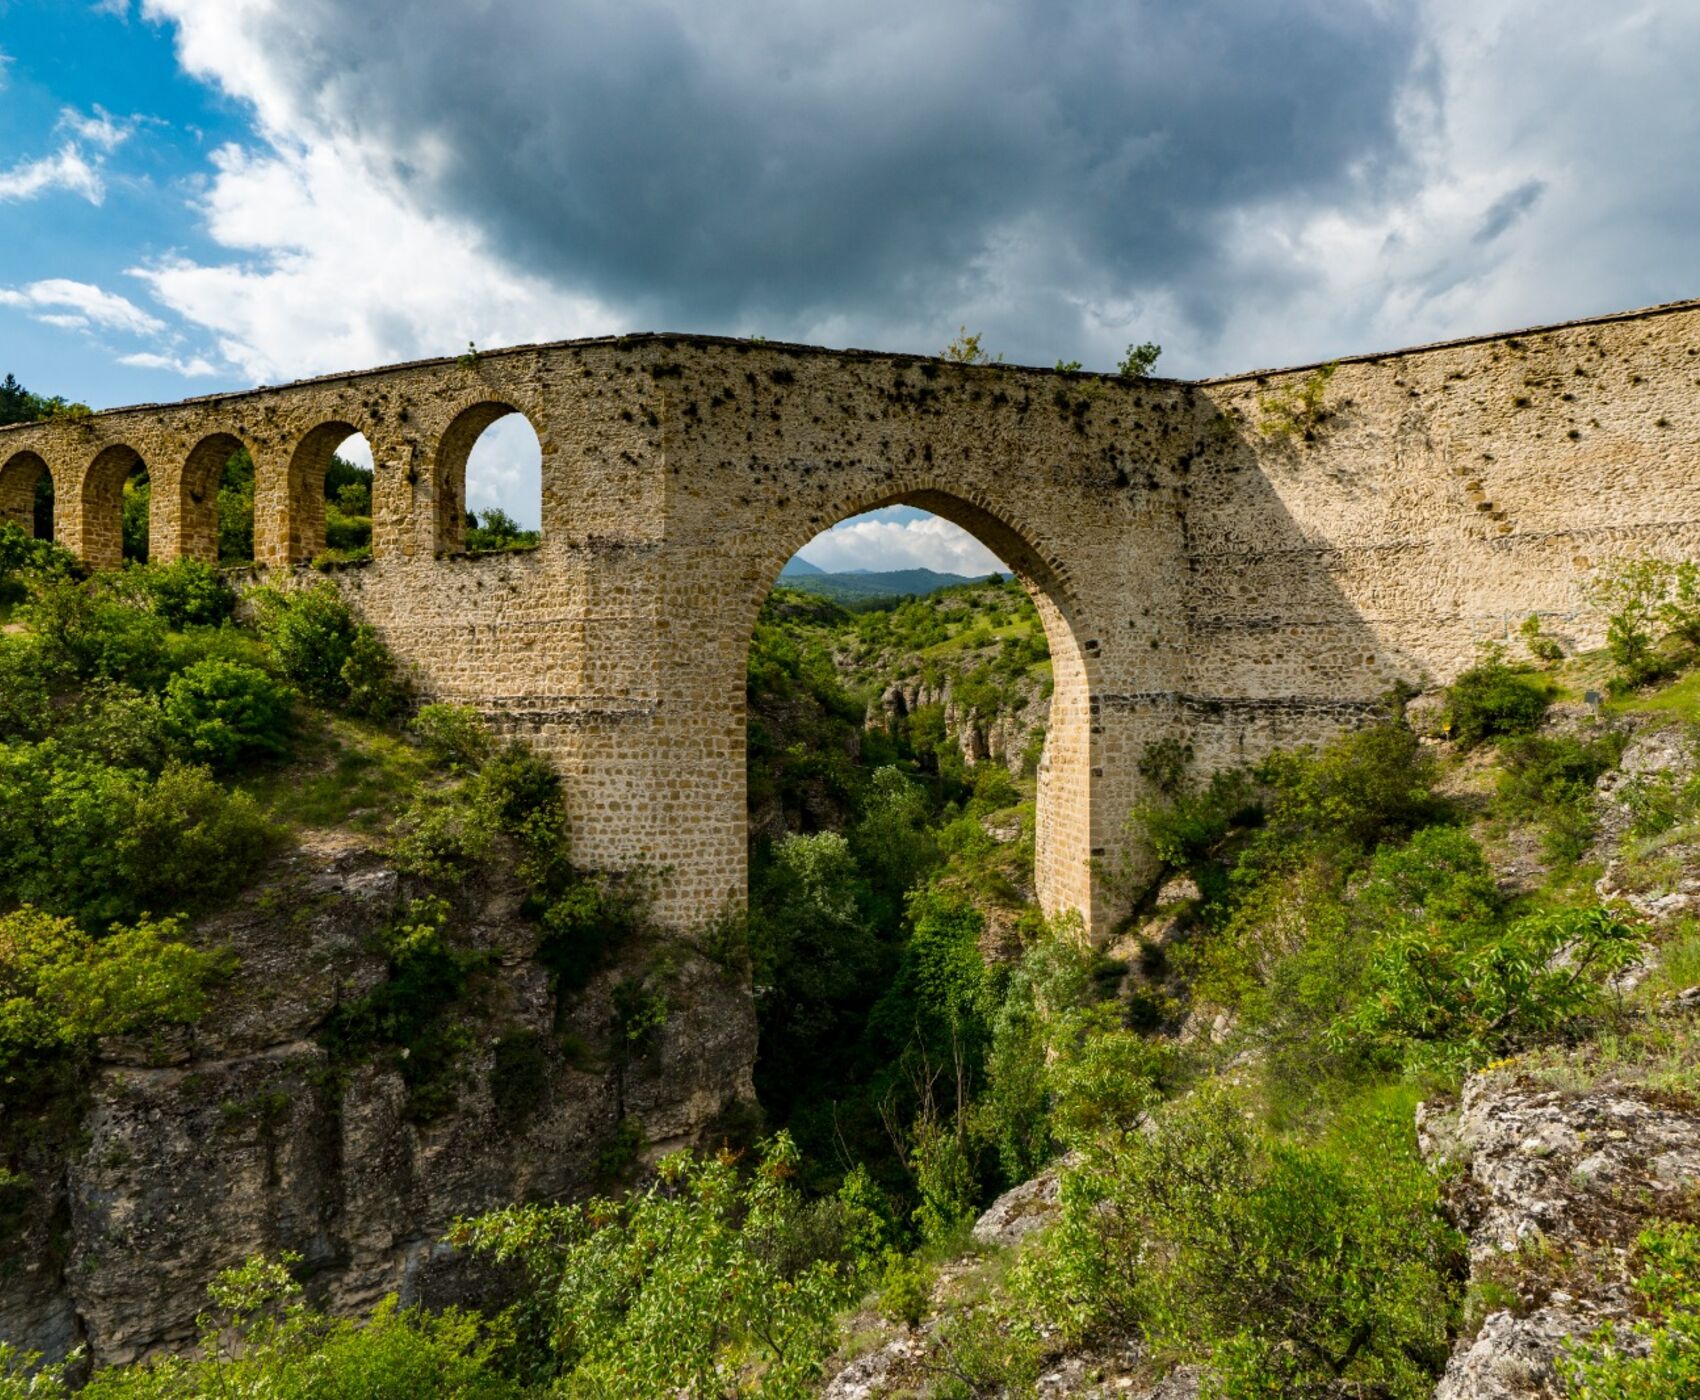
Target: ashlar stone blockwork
1197, 575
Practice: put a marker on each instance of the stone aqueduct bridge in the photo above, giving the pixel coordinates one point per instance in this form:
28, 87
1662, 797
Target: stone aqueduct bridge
1194, 575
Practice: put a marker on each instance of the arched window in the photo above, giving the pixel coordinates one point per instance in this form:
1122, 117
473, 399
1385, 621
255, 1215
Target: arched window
26, 495
330, 496
116, 502
489, 481
216, 502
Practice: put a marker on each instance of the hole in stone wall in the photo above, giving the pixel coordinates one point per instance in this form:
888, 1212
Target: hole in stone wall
135, 495
236, 509
348, 499
504, 486
41, 513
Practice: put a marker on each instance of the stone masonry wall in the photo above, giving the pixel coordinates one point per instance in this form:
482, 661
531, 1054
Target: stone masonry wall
1195, 575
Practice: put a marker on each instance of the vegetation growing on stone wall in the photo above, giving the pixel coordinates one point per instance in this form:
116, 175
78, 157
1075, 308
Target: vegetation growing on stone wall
1298, 410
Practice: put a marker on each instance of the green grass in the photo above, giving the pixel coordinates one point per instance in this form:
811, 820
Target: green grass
1679, 701
347, 773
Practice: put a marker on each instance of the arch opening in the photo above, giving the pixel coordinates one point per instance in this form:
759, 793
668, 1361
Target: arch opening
489, 482
328, 497
215, 503
116, 506
26, 495
918, 772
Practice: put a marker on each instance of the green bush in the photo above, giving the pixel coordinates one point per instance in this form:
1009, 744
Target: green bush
702, 1281
1444, 995
25, 560
320, 647
1364, 787
455, 736
260, 1337
1291, 1268
224, 713
1653, 621
1491, 699
99, 843
583, 925
1664, 1360
1552, 780
186, 593
85, 633
410, 1016
60, 989
121, 727
25, 701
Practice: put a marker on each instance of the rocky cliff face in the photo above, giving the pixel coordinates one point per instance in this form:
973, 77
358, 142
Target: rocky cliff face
1002, 736
248, 1134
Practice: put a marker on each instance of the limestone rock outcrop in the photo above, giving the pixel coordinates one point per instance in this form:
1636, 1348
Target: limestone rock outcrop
248, 1134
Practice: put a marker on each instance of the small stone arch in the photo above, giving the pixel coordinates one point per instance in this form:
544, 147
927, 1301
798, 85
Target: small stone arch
20, 480
1072, 761
102, 504
185, 517
300, 534
449, 472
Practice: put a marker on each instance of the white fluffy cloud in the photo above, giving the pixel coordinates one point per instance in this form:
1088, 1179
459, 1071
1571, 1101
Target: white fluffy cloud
868, 542
66, 169
189, 366
62, 302
77, 166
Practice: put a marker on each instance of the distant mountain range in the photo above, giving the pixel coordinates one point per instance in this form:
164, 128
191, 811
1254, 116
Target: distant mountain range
859, 584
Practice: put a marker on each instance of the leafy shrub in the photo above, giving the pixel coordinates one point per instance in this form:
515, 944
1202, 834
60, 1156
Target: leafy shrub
25, 560
698, 1279
1552, 780
186, 593
455, 736
1357, 790
906, 1288
84, 633
376, 688
321, 648
1666, 1361
583, 924
261, 1337
60, 989
121, 726
1203, 1234
1446, 996
1492, 698
223, 712
25, 701
1649, 601
409, 1016
1542, 646
101, 843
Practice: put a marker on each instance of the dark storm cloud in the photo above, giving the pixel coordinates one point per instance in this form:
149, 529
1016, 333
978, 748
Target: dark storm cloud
1508, 209
722, 164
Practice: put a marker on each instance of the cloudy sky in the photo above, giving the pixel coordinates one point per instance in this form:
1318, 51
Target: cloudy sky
208, 194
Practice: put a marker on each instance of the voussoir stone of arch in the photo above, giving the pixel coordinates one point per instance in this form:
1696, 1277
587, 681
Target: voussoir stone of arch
1210, 564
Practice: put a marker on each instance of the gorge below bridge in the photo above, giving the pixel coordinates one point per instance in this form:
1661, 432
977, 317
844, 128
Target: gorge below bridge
1201, 571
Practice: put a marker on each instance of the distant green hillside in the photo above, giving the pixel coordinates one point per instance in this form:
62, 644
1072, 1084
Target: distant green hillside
860, 587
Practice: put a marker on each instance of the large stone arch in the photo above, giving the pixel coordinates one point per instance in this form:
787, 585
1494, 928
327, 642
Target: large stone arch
1064, 848
20, 475
99, 531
